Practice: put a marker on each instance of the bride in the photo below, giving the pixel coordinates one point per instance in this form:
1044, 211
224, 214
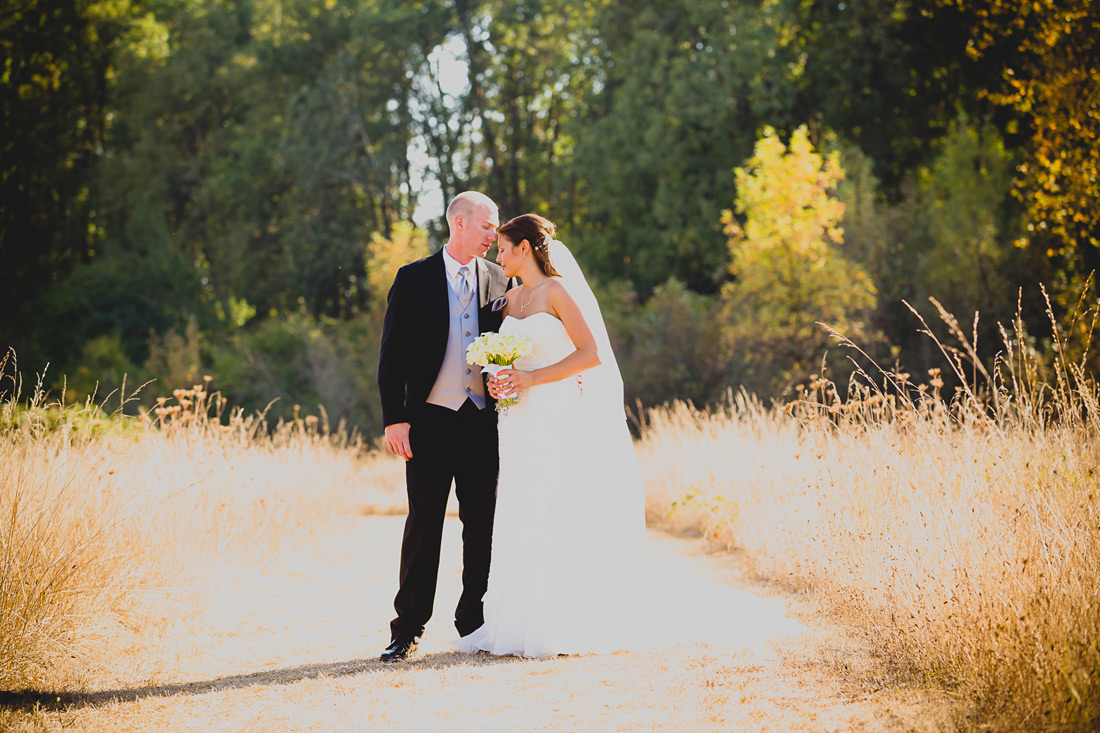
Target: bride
567, 572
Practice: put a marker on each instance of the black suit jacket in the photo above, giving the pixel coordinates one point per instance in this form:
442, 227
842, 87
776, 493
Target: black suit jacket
414, 333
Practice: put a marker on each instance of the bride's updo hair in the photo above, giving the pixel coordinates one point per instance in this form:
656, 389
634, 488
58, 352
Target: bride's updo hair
538, 231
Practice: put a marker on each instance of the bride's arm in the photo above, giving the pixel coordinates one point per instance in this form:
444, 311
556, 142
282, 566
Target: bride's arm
585, 357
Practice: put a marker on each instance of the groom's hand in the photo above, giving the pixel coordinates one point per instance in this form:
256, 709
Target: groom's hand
397, 440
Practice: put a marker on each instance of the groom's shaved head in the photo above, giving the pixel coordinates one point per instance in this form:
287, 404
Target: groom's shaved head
466, 203
473, 219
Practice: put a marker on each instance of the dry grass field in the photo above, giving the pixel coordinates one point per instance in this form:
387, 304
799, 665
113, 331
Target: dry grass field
221, 578
191, 570
963, 533
96, 507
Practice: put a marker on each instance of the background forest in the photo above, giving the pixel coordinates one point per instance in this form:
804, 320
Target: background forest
203, 187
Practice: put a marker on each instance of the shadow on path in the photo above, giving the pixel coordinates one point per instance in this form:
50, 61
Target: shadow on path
62, 701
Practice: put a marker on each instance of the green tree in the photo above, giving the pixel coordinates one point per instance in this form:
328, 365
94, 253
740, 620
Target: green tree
887, 76
346, 152
55, 88
951, 236
681, 91
122, 293
962, 196
269, 146
528, 74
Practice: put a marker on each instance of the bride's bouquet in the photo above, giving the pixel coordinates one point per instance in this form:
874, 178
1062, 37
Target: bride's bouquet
494, 351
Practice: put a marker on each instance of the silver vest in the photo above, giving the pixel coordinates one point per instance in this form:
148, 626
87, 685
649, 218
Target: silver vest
458, 380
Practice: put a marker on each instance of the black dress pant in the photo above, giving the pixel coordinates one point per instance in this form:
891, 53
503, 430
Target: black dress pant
447, 445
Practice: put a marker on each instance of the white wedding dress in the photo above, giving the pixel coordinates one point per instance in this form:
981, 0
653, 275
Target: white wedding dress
567, 572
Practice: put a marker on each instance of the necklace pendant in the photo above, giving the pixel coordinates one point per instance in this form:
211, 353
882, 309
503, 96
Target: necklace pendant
522, 305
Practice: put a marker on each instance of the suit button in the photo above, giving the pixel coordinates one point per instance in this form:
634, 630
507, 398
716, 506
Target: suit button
467, 389
467, 333
465, 315
467, 371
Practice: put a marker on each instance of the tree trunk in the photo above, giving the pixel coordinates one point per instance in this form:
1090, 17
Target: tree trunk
474, 51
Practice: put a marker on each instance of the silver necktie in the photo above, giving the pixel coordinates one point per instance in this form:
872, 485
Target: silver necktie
467, 291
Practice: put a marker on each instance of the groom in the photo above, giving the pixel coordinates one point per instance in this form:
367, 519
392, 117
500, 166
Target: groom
439, 416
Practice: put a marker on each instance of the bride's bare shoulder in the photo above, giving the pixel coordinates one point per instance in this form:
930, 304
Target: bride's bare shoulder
557, 292
554, 287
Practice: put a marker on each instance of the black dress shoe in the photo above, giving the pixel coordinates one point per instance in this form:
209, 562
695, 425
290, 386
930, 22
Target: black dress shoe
399, 649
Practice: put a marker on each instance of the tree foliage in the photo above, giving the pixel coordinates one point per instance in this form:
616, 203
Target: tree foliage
195, 185
887, 75
680, 93
55, 96
385, 256
1046, 53
789, 273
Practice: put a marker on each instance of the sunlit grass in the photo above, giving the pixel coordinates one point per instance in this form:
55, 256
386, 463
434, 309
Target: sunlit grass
963, 533
94, 507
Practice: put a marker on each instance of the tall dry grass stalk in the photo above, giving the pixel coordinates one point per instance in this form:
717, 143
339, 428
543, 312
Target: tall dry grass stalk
95, 507
963, 533
57, 569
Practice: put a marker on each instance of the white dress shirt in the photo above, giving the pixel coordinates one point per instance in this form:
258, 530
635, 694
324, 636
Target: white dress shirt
454, 278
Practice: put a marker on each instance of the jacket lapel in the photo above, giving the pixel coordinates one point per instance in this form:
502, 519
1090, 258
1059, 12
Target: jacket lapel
483, 278
440, 303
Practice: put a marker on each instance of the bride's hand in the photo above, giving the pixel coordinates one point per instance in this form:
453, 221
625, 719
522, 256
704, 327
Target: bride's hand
496, 388
512, 380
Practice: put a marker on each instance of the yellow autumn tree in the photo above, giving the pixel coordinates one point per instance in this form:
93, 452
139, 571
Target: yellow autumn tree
788, 271
386, 255
1050, 79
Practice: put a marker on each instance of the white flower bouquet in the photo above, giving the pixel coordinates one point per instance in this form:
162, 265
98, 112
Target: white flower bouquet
496, 351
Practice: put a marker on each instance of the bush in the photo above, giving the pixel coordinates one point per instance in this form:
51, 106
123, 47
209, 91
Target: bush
103, 370
320, 366
671, 348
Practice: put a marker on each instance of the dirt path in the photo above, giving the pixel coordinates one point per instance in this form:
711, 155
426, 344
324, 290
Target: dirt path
294, 645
